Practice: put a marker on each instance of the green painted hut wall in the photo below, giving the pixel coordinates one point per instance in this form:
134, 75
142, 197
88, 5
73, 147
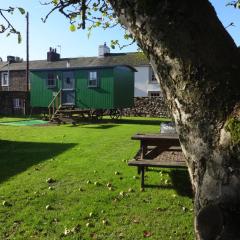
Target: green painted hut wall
100, 97
115, 88
40, 94
123, 87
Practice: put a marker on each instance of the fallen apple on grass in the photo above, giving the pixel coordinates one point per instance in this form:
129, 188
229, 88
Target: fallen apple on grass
49, 207
50, 180
6, 204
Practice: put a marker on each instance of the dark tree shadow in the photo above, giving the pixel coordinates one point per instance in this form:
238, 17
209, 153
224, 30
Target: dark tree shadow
103, 127
141, 121
94, 125
120, 121
179, 181
16, 157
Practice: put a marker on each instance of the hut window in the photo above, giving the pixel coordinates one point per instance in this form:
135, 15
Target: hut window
51, 80
5, 80
92, 79
68, 80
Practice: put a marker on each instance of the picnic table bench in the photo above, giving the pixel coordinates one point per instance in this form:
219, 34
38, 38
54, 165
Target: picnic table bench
157, 150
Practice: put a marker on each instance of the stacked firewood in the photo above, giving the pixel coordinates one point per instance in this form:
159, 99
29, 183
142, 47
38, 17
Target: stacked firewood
148, 107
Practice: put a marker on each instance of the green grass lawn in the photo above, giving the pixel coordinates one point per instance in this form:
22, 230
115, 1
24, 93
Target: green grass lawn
82, 160
12, 119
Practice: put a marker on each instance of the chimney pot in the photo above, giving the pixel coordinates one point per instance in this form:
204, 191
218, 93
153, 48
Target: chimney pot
52, 55
103, 50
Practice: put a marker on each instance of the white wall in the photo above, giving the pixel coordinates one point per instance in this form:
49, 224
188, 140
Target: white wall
142, 85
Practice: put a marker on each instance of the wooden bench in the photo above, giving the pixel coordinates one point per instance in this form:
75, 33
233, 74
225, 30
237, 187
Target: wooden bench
157, 150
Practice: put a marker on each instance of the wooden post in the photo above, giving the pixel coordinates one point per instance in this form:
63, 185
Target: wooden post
61, 97
56, 102
143, 147
27, 52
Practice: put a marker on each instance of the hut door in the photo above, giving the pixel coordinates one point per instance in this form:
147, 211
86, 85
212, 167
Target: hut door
68, 89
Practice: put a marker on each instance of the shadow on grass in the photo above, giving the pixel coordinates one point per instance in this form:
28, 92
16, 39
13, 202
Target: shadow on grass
139, 121
123, 121
16, 157
103, 127
180, 181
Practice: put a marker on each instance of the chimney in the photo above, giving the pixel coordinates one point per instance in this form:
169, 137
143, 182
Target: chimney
11, 59
52, 55
103, 50
18, 59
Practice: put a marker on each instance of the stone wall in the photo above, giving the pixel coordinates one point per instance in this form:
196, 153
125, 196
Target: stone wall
6, 102
17, 82
148, 107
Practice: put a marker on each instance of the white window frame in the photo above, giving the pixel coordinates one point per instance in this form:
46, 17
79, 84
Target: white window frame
4, 79
152, 77
16, 103
53, 79
154, 92
92, 77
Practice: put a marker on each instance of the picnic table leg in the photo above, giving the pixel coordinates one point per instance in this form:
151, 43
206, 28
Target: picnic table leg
143, 148
142, 178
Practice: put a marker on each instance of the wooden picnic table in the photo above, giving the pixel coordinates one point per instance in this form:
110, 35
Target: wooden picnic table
157, 150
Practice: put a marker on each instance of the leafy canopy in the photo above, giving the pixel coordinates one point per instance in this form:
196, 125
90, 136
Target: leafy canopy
6, 25
83, 14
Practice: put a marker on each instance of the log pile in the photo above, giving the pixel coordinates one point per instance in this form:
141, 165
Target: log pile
148, 107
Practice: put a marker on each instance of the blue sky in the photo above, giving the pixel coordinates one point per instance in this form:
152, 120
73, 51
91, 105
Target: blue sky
56, 32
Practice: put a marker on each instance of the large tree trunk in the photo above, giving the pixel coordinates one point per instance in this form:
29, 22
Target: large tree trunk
197, 64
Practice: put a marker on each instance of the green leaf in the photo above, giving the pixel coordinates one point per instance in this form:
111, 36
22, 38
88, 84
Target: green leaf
72, 28
73, 16
11, 10
107, 25
98, 24
2, 28
55, 2
21, 10
126, 36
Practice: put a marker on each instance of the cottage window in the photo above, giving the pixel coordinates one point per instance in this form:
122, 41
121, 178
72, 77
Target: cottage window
5, 80
153, 78
16, 103
51, 80
153, 93
92, 79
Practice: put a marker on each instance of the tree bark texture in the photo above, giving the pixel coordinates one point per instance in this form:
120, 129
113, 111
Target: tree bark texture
197, 64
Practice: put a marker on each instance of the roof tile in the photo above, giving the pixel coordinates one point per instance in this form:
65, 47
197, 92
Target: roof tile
132, 59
